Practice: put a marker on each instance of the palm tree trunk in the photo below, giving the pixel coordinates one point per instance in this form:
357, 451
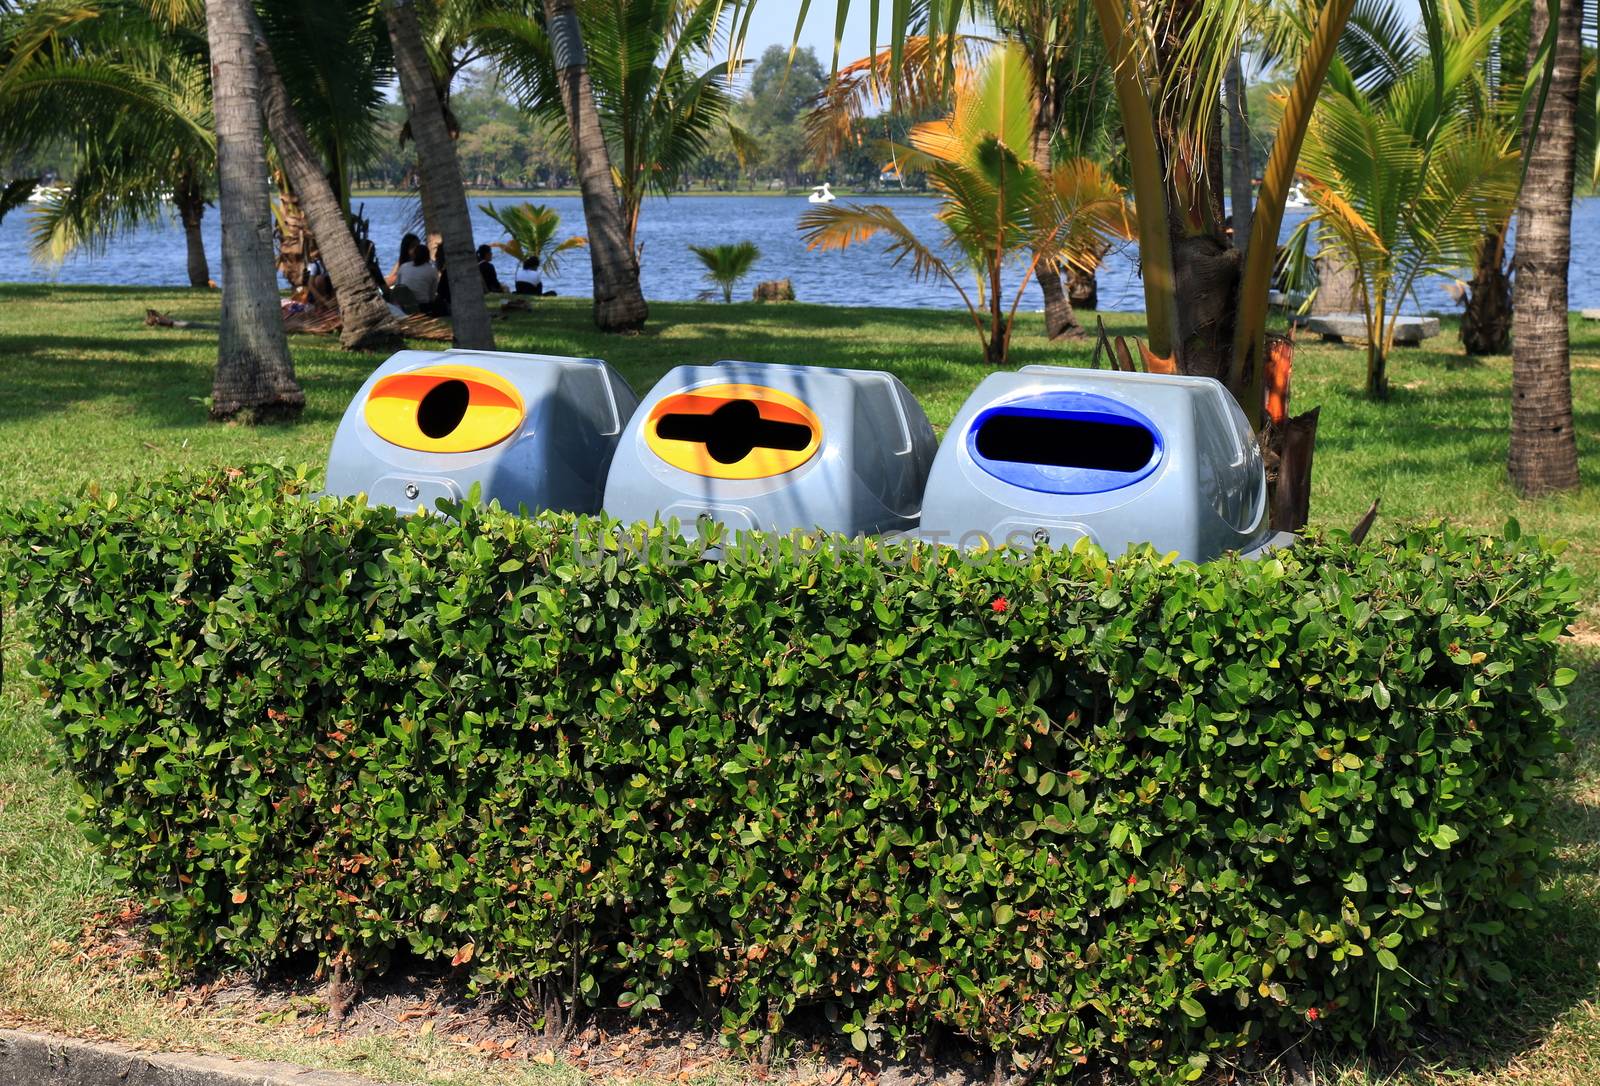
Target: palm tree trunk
255, 377
999, 345
619, 304
1486, 322
365, 320
1059, 320
1377, 360
191, 201
1544, 450
1239, 154
444, 198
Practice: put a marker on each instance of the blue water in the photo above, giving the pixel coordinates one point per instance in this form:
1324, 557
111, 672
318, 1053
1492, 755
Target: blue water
154, 255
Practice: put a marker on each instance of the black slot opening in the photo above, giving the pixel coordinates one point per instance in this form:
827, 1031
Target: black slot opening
1065, 442
732, 430
442, 409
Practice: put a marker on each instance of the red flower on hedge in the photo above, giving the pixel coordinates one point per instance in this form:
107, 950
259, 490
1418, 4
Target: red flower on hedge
999, 605
1312, 1014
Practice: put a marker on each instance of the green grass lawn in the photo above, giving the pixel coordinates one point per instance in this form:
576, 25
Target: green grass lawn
88, 394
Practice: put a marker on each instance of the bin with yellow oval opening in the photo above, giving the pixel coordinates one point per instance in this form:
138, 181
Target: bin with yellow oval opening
534, 431
1051, 455
774, 448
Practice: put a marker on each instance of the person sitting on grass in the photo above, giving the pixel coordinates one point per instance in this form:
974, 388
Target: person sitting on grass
408, 249
419, 276
319, 285
529, 281
441, 294
491, 277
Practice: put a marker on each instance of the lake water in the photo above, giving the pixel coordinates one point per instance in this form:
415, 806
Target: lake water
862, 275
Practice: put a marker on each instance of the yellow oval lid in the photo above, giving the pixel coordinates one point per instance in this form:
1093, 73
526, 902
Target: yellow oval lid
445, 409
733, 431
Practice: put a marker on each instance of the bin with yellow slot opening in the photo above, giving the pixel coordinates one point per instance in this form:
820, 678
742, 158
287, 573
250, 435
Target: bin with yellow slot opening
774, 448
535, 431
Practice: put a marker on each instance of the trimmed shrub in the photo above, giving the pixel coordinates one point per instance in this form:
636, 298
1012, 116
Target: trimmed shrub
1078, 811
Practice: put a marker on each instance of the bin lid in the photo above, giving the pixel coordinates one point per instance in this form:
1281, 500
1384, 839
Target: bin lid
1064, 442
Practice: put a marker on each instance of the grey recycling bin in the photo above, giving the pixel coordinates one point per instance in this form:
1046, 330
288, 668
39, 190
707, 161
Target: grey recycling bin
1053, 455
535, 431
774, 448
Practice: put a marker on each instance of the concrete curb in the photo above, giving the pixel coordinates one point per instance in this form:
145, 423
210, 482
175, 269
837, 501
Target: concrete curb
35, 1059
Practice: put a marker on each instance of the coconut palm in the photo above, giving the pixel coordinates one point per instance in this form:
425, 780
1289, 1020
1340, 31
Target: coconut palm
335, 62
1486, 319
540, 46
1073, 115
129, 94
531, 232
657, 108
1406, 177
996, 203
365, 320
727, 264
444, 197
124, 82
255, 377
1544, 452
1205, 306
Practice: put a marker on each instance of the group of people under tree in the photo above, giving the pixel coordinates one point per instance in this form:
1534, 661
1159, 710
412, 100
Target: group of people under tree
416, 283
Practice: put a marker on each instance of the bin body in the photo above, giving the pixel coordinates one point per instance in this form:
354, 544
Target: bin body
535, 431
774, 448
1052, 455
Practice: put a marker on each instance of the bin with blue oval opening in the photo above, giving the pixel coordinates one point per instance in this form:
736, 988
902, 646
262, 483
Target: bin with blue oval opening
534, 431
1051, 455
775, 448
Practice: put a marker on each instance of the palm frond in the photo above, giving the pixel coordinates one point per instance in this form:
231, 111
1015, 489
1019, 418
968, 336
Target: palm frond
828, 227
727, 264
869, 85
531, 230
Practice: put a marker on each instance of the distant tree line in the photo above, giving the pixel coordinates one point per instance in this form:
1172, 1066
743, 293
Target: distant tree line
762, 145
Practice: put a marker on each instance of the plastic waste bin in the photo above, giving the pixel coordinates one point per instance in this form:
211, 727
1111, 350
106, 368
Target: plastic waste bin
1052, 455
774, 448
536, 431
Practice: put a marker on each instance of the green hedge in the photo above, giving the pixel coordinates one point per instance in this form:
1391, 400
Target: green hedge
1134, 812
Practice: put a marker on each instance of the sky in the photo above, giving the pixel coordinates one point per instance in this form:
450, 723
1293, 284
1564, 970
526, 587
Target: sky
773, 24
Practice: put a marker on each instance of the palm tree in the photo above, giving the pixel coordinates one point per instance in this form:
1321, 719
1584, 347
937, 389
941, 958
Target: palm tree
333, 57
128, 94
727, 264
1072, 111
1205, 306
1486, 319
519, 40
1407, 177
656, 112
1072, 114
255, 377
365, 319
443, 195
531, 231
1544, 451
996, 203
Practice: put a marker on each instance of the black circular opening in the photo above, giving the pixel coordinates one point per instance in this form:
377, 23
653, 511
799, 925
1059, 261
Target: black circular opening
443, 408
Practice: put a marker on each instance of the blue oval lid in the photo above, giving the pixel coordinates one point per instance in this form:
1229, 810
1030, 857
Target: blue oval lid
1065, 443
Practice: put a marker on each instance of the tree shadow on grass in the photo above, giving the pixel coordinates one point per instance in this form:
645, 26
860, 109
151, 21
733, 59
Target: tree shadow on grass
156, 380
